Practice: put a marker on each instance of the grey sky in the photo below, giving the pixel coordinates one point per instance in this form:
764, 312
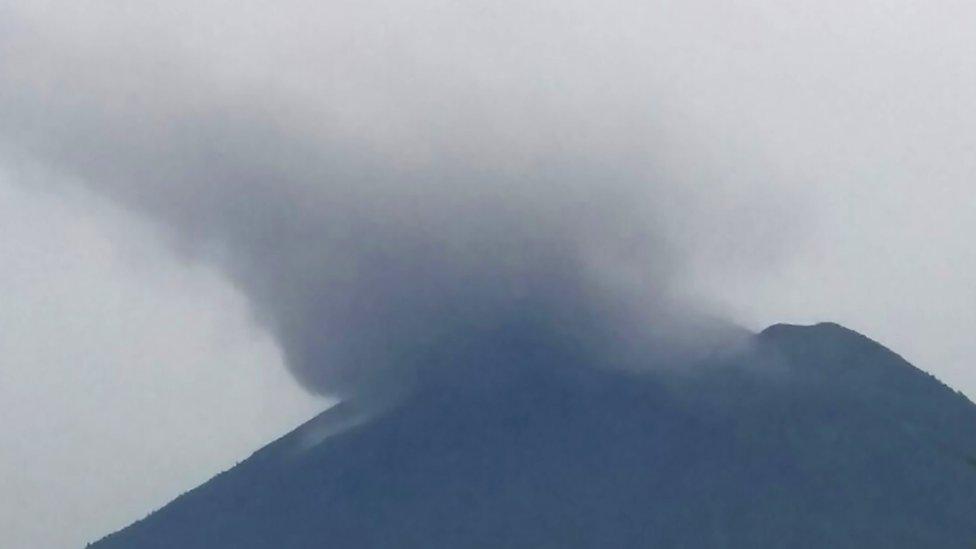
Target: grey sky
93, 305
173, 179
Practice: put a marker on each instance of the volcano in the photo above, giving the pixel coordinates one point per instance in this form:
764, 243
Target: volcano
809, 436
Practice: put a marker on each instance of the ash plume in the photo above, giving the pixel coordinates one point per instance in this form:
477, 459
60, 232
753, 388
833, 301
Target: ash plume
394, 189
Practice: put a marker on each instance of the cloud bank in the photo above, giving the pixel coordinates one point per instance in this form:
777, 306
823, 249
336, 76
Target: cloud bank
395, 186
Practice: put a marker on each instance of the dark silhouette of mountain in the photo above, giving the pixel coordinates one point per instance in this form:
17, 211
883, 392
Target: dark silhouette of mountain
812, 437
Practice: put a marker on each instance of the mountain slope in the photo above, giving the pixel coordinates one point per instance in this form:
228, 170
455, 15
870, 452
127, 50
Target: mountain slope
814, 437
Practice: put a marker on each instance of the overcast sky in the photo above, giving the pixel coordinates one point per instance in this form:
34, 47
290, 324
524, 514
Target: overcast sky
170, 175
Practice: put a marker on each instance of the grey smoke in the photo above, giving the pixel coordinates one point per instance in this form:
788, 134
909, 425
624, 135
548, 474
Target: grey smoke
391, 188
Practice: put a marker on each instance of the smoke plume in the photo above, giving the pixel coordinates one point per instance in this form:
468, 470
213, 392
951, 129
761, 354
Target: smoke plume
394, 186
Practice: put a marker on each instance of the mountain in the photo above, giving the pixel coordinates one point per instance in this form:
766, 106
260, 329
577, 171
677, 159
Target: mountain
810, 437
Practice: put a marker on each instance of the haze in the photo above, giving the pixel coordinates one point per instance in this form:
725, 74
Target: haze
178, 181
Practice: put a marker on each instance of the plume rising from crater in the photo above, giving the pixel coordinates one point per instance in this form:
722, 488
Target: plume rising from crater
397, 195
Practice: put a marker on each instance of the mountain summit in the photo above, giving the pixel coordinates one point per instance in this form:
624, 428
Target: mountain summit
811, 436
